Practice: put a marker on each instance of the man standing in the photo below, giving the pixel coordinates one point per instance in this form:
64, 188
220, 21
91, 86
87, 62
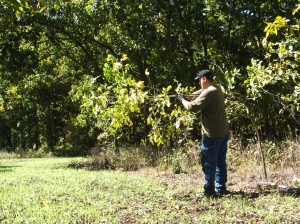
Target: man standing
215, 132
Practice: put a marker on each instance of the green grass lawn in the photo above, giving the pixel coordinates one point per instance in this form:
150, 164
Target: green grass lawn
47, 191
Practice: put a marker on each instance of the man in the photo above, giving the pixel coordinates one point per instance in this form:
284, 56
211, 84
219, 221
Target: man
215, 132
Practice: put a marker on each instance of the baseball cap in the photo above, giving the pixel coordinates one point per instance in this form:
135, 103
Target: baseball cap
204, 73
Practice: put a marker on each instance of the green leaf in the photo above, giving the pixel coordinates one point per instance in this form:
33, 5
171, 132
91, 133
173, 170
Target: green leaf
56, 5
15, 3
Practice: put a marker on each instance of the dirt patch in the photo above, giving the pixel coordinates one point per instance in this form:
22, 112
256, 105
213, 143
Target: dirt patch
247, 180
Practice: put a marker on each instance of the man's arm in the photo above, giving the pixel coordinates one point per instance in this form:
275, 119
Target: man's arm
197, 92
197, 104
193, 95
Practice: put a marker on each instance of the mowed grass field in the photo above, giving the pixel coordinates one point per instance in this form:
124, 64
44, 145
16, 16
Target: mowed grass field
47, 190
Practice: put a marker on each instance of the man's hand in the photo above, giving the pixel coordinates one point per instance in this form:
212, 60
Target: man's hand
180, 97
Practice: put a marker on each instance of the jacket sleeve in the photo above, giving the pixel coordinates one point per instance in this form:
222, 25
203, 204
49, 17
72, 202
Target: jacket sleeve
198, 104
197, 92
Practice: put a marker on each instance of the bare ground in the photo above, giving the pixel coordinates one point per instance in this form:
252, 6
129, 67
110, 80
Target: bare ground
244, 180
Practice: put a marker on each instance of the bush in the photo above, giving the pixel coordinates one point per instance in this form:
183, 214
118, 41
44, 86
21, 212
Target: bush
284, 154
181, 160
8, 155
125, 158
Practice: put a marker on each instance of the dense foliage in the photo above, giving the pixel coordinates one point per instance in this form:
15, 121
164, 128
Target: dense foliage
79, 74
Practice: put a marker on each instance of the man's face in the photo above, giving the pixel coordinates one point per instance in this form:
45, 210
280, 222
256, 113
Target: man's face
201, 81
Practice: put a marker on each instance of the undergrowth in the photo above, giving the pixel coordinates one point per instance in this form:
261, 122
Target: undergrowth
176, 160
187, 158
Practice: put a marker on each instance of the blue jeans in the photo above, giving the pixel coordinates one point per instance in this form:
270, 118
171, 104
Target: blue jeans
213, 161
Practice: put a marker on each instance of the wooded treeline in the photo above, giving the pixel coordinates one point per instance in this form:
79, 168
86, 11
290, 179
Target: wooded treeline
69, 70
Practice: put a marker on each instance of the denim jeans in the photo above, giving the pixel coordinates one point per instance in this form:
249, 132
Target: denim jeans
213, 161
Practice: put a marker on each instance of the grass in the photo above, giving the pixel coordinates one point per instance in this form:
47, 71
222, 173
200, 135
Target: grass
47, 190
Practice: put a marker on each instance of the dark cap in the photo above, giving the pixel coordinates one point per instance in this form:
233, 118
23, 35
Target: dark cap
204, 73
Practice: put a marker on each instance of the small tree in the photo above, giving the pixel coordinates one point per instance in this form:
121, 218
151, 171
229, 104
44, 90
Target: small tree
272, 86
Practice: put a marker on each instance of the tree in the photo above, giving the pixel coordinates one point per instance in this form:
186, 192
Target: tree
271, 93
48, 48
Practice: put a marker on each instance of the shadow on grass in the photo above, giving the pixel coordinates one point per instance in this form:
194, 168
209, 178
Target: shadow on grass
294, 192
242, 194
4, 169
